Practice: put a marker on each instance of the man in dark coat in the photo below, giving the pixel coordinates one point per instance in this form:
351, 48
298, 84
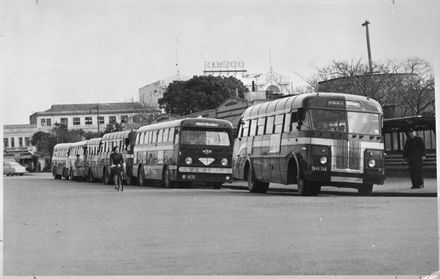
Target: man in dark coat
117, 163
414, 152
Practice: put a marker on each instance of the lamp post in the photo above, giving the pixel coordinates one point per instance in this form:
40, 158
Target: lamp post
370, 63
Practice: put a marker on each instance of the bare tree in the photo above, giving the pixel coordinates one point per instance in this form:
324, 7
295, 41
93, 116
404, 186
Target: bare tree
408, 86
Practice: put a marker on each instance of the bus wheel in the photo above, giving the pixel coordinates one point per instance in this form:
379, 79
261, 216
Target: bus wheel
217, 185
55, 175
254, 185
141, 177
365, 189
90, 176
106, 177
307, 188
166, 180
66, 174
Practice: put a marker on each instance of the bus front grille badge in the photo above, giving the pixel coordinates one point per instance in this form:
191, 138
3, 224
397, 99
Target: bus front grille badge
206, 161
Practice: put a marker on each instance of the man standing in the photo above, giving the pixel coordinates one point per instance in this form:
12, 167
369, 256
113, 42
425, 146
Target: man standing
414, 152
118, 166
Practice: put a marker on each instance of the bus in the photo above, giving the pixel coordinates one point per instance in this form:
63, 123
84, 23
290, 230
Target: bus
184, 151
76, 160
312, 140
92, 159
124, 140
60, 157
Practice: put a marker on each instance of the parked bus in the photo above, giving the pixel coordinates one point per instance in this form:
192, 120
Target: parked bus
76, 161
92, 160
193, 150
124, 140
312, 140
60, 157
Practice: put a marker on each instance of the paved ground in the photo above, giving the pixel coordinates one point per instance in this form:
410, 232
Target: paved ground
394, 186
55, 227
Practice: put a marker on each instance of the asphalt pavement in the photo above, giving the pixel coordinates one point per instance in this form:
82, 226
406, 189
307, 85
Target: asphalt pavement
393, 186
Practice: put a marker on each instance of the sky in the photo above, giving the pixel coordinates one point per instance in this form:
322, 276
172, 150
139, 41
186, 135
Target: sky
93, 51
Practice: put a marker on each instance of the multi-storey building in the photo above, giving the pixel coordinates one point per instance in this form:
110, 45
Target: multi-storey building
91, 117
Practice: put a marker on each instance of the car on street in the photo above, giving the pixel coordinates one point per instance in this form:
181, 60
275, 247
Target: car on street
13, 168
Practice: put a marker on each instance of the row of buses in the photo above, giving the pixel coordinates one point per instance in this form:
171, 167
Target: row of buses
312, 140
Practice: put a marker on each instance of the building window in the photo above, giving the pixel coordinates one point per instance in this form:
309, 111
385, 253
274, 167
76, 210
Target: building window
5, 142
43, 121
88, 121
136, 119
48, 122
124, 118
12, 142
101, 119
76, 121
20, 142
112, 119
64, 121
27, 141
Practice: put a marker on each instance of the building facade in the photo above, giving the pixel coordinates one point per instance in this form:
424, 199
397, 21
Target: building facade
90, 117
150, 94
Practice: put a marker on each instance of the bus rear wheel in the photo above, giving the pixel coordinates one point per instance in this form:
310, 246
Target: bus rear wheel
141, 177
166, 179
254, 185
365, 189
308, 188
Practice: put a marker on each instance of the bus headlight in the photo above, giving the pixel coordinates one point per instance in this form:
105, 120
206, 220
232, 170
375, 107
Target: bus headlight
224, 162
323, 160
188, 160
372, 163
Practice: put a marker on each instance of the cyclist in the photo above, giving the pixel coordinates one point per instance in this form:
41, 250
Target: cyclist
118, 167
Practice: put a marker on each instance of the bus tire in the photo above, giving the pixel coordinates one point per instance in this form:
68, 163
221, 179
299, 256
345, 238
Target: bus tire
308, 188
90, 177
106, 178
141, 176
55, 175
66, 174
254, 185
365, 189
166, 179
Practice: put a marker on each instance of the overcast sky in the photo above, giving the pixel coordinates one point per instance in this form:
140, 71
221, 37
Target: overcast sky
59, 51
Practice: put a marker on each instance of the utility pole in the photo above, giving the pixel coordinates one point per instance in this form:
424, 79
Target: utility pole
370, 63
97, 112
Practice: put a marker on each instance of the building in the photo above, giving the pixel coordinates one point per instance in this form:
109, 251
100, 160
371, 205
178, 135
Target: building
90, 117
150, 94
17, 145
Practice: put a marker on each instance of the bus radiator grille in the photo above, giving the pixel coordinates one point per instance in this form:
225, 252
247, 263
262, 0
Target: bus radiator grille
347, 154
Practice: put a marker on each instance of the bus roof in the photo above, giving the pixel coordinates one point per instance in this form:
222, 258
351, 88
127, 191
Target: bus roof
62, 145
94, 141
320, 99
188, 122
117, 135
78, 143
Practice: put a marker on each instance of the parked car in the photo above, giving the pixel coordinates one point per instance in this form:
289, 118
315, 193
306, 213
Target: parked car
12, 168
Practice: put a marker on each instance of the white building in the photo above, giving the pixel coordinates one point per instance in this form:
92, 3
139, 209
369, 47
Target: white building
150, 94
89, 116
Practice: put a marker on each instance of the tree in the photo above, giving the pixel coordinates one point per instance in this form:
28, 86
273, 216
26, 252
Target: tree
44, 142
200, 93
408, 85
113, 127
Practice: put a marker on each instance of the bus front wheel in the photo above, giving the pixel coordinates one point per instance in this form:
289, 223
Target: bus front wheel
365, 189
254, 185
308, 188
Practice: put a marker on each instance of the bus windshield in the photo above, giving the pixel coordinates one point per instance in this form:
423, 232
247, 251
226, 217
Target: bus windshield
336, 120
204, 137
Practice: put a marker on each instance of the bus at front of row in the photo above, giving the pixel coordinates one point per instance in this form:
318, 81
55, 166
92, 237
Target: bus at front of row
312, 140
192, 150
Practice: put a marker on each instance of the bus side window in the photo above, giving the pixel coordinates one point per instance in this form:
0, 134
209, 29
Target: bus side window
160, 136
269, 125
253, 128
127, 144
154, 139
287, 123
279, 123
165, 135
260, 126
245, 132
176, 137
